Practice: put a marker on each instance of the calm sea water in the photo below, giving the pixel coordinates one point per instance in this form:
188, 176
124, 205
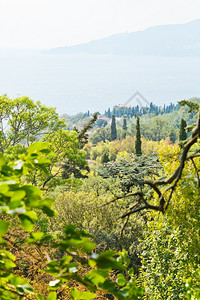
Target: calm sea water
75, 83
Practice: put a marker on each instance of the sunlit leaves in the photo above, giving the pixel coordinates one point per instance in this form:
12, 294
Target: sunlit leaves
81, 295
22, 200
3, 227
76, 239
25, 120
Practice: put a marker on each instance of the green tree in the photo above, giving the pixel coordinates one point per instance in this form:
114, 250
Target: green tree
138, 143
23, 121
182, 131
124, 124
113, 129
124, 128
101, 134
83, 133
109, 113
68, 158
172, 135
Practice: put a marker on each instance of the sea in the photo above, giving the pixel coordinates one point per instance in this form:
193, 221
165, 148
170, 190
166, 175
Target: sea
81, 82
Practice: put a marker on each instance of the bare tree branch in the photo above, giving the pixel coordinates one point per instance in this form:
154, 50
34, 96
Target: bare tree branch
140, 194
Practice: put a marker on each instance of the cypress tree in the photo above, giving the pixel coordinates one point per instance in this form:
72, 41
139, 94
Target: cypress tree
109, 113
138, 143
182, 132
124, 124
124, 128
113, 129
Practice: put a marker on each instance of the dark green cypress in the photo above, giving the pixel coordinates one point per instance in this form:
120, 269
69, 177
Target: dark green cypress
138, 143
124, 128
182, 132
109, 113
124, 124
113, 129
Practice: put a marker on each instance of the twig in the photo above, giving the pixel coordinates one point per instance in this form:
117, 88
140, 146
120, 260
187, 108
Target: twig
122, 197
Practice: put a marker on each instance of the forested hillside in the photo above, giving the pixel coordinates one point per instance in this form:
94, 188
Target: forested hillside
99, 206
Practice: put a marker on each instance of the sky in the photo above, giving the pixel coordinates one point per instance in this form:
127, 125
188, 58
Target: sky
44, 24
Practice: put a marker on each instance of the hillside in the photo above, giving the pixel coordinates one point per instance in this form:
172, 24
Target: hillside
165, 40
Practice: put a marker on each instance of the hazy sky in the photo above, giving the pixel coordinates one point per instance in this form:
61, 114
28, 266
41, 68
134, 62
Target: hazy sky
54, 23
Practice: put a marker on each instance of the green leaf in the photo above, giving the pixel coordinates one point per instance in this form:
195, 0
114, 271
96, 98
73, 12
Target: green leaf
7, 264
32, 215
65, 260
81, 295
48, 211
8, 295
121, 280
3, 227
26, 222
6, 255
52, 296
18, 195
38, 146
21, 285
97, 276
43, 168
22, 289
39, 297
35, 236
2, 241
2, 160
106, 260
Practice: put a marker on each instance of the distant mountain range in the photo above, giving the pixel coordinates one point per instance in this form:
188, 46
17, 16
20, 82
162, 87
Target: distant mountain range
164, 40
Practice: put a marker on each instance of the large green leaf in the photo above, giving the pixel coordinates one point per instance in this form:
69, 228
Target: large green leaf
3, 227
81, 295
26, 222
52, 296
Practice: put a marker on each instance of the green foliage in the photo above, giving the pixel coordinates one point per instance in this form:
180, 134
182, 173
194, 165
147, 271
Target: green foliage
163, 261
192, 105
23, 121
124, 128
86, 208
82, 134
171, 247
130, 172
21, 200
172, 135
78, 243
182, 131
124, 124
171, 250
138, 143
104, 158
64, 160
101, 134
113, 129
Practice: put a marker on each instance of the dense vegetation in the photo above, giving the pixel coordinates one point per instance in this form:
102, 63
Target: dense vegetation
99, 213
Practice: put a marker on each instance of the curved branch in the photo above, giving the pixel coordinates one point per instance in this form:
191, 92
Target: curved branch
140, 194
174, 178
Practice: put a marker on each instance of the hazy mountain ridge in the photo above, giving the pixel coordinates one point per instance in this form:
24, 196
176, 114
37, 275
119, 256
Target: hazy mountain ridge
163, 40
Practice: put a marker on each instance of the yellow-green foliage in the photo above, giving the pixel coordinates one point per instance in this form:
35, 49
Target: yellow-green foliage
125, 146
84, 209
171, 256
